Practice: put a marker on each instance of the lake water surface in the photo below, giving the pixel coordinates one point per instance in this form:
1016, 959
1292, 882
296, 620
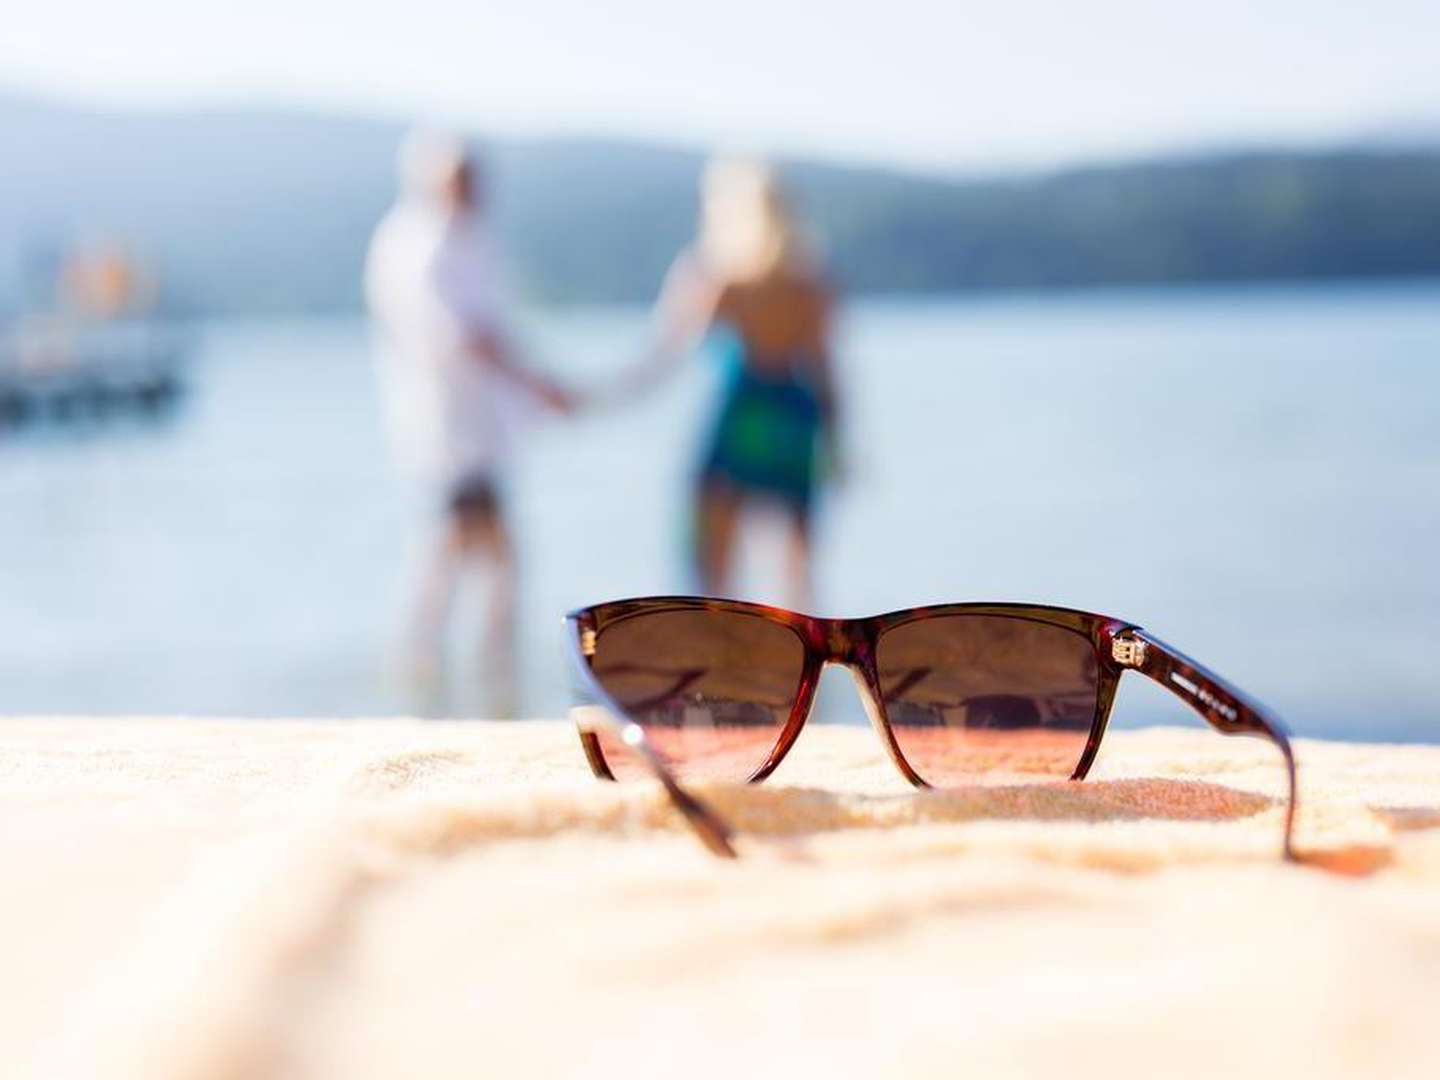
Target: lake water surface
1252, 472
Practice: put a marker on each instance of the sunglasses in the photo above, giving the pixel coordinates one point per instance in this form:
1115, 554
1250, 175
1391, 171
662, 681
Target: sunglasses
686, 688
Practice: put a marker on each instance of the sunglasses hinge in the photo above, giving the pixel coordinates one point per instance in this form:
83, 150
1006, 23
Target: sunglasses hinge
1127, 652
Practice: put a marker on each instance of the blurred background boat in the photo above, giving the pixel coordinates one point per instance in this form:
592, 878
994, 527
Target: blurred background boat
92, 349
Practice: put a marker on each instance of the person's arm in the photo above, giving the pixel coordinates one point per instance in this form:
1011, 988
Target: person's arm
688, 305
496, 349
476, 298
825, 385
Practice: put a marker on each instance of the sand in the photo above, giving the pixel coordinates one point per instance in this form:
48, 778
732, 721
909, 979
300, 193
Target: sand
201, 899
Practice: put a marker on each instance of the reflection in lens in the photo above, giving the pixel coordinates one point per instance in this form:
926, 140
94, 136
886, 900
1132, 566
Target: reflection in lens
988, 698
712, 689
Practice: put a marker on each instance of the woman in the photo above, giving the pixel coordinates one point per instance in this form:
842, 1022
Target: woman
754, 287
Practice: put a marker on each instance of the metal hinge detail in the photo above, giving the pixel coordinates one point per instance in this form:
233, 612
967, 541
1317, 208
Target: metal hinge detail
1127, 652
587, 642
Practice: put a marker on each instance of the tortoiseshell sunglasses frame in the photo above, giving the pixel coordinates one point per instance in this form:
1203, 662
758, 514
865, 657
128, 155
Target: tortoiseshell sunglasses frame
1119, 645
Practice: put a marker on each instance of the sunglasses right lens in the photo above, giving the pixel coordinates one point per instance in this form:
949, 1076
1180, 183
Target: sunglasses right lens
988, 698
712, 689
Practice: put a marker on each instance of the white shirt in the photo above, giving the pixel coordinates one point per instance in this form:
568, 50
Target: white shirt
433, 283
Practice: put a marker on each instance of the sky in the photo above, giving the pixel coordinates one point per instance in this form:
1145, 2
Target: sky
932, 83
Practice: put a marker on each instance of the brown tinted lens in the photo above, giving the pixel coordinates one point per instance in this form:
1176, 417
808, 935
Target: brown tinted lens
975, 698
712, 689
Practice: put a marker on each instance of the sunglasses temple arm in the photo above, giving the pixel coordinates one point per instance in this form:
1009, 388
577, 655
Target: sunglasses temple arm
1224, 707
600, 715
712, 830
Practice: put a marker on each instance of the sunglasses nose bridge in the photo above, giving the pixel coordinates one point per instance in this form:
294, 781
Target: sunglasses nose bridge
844, 643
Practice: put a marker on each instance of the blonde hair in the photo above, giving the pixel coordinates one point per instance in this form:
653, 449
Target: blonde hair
747, 228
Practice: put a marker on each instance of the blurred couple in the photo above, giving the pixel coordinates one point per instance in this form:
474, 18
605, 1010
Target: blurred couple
459, 391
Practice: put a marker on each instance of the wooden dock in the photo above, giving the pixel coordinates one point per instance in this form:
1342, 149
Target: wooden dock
91, 375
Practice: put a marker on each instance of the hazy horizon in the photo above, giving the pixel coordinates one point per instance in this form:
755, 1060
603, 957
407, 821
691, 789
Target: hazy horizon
935, 89
1403, 132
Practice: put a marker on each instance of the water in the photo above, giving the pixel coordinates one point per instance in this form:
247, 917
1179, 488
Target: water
1250, 472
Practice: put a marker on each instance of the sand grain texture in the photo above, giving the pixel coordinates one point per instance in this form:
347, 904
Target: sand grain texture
202, 899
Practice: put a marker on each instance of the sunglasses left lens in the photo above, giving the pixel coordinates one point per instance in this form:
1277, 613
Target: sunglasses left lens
712, 689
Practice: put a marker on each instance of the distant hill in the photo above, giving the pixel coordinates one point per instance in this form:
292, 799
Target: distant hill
251, 211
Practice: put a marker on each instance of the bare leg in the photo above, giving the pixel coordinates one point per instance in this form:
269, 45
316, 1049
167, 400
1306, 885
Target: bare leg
799, 582
484, 539
716, 518
429, 618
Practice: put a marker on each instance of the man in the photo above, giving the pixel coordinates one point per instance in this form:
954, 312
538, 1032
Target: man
456, 397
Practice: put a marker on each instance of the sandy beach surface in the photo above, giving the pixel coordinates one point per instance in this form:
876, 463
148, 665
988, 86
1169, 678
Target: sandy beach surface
206, 899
